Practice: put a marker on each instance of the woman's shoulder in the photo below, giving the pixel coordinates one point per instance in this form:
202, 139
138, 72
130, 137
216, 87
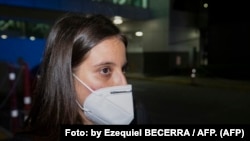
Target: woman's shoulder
141, 115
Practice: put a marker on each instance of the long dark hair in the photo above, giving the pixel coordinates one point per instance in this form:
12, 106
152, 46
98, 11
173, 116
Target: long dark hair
70, 39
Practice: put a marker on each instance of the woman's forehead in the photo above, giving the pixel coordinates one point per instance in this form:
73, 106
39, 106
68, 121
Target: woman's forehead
110, 50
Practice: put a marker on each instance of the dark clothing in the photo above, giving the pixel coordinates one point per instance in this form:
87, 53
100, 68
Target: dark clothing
140, 117
140, 114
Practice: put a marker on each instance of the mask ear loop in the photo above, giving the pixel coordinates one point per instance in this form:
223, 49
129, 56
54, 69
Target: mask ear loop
81, 107
83, 83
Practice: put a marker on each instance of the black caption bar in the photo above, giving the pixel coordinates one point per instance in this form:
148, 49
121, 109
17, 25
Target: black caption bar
75, 132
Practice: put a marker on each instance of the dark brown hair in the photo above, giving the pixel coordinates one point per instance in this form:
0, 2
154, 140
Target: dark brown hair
70, 39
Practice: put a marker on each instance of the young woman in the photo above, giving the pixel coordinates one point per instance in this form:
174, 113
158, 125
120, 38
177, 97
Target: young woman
81, 78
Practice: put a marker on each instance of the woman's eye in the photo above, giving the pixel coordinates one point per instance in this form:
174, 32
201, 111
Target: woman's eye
105, 71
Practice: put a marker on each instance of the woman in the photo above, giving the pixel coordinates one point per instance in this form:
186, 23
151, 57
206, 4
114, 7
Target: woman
82, 71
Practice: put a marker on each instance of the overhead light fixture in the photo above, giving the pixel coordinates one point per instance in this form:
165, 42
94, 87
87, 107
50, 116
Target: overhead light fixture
4, 36
117, 20
32, 38
205, 5
138, 33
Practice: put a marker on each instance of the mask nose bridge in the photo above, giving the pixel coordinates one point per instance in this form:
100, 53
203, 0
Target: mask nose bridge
83, 83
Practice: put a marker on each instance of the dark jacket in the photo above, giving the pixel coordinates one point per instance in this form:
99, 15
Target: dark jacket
141, 117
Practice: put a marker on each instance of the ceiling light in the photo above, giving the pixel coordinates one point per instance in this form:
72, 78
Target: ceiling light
139, 33
117, 20
4, 36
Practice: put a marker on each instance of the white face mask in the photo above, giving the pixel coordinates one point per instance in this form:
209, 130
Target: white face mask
110, 105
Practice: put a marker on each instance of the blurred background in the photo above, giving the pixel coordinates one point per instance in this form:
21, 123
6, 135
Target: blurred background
188, 60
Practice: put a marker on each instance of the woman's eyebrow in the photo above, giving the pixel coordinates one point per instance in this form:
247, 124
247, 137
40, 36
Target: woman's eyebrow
103, 64
109, 63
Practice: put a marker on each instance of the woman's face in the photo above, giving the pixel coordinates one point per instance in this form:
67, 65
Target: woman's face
104, 66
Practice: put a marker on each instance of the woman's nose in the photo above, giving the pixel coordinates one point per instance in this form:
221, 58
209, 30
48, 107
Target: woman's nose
120, 79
